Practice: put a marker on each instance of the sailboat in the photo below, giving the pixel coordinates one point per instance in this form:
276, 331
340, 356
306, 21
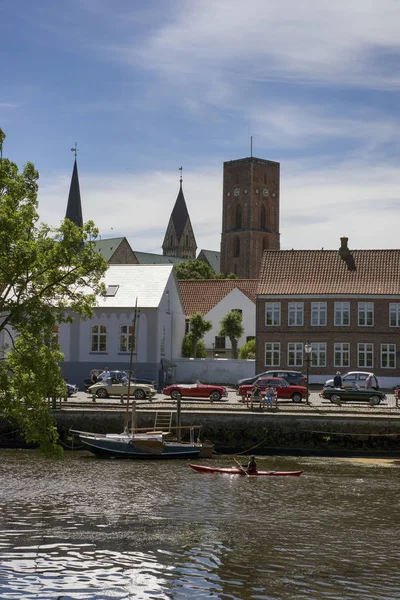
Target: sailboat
142, 443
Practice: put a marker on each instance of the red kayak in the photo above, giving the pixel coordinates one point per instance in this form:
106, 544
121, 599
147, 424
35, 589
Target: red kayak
236, 471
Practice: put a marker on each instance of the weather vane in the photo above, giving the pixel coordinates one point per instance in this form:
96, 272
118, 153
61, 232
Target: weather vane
181, 169
76, 149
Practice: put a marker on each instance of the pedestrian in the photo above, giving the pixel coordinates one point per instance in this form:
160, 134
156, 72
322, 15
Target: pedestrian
256, 394
337, 380
270, 396
93, 376
368, 382
105, 376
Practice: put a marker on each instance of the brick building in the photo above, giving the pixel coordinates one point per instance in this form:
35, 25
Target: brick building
345, 303
250, 215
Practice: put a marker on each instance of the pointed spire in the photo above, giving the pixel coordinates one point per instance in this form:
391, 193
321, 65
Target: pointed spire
179, 238
74, 206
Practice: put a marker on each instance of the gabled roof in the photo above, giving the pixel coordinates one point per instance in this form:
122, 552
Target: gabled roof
74, 206
212, 257
108, 246
147, 258
201, 295
145, 282
320, 272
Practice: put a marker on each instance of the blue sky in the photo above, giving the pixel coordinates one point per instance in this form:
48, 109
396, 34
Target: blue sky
147, 87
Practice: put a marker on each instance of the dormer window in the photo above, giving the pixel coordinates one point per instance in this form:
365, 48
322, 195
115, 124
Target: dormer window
112, 290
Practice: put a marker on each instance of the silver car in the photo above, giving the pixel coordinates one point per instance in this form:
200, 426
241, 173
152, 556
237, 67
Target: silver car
355, 377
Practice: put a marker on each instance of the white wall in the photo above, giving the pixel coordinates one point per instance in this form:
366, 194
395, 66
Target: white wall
235, 299
208, 370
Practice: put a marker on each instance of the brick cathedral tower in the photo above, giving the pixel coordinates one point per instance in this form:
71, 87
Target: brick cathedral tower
250, 215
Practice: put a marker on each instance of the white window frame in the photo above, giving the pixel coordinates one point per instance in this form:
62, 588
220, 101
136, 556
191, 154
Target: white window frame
342, 310
394, 311
319, 311
123, 338
365, 309
274, 310
388, 351
365, 355
295, 314
295, 354
342, 351
273, 349
98, 335
318, 354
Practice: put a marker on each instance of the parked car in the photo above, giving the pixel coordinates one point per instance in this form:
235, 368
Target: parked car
396, 392
284, 389
355, 377
119, 386
339, 395
196, 390
118, 376
292, 377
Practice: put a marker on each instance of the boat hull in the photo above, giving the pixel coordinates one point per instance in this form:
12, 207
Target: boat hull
236, 471
152, 447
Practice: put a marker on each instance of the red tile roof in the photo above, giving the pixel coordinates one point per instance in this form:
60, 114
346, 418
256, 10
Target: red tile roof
201, 295
324, 272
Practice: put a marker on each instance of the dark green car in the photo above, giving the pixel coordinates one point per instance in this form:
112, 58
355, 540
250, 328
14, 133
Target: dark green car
339, 395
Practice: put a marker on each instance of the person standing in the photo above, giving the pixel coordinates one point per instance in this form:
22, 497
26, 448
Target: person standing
256, 394
270, 396
93, 376
337, 380
105, 376
368, 382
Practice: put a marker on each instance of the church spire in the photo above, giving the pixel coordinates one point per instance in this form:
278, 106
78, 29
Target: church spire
179, 239
74, 206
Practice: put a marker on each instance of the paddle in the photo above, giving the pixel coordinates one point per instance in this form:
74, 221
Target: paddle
240, 467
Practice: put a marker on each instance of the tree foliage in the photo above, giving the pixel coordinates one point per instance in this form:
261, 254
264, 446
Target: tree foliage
46, 275
248, 350
198, 269
201, 351
198, 327
231, 327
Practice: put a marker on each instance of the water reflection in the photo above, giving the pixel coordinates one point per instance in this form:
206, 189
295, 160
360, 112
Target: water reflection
87, 528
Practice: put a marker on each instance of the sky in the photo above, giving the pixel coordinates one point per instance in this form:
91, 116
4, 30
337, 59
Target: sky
145, 87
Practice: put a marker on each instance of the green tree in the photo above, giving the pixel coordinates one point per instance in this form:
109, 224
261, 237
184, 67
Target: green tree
231, 327
198, 269
201, 351
198, 327
248, 350
46, 275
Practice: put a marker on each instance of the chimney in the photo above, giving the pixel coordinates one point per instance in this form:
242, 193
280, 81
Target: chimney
344, 251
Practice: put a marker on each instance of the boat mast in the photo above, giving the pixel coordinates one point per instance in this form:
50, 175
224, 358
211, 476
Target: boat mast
130, 367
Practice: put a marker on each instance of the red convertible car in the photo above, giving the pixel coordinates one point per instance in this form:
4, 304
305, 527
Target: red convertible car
196, 390
283, 388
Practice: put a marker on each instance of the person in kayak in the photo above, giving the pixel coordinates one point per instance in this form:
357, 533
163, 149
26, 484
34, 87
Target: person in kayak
251, 466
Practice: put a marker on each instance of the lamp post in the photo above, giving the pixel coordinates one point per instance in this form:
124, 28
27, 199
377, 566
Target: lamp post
307, 350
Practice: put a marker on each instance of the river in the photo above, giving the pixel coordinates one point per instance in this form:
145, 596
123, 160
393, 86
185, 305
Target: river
85, 528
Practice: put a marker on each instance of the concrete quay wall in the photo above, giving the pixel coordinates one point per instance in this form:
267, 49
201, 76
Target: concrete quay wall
260, 432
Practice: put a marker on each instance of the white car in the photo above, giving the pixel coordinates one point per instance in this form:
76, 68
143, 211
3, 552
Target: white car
355, 377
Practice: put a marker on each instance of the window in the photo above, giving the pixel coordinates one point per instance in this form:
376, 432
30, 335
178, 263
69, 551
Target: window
342, 354
238, 216
99, 338
125, 338
236, 247
295, 354
365, 356
318, 314
112, 290
342, 313
394, 315
318, 354
272, 354
388, 356
219, 342
272, 314
249, 338
365, 314
296, 313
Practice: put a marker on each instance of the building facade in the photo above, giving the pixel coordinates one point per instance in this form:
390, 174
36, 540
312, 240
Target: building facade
345, 304
250, 214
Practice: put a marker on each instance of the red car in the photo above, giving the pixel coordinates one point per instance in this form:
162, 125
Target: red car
196, 390
284, 389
